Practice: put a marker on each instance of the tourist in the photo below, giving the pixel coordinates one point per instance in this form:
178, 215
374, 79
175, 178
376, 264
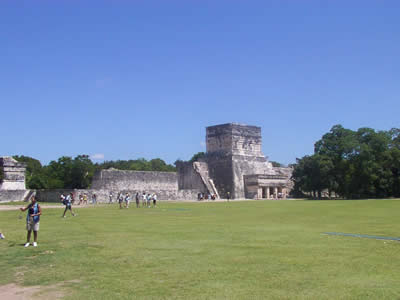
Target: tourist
85, 198
144, 199
148, 198
137, 199
2, 236
110, 196
32, 221
62, 198
72, 198
68, 205
154, 200
120, 199
80, 199
94, 199
228, 196
127, 200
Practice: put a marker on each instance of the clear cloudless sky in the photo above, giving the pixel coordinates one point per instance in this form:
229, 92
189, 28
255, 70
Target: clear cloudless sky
129, 79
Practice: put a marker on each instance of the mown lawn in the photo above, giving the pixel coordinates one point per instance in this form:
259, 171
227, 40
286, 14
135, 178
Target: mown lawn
237, 250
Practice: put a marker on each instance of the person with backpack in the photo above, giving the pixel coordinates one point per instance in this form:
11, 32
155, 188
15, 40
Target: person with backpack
68, 205
32, 221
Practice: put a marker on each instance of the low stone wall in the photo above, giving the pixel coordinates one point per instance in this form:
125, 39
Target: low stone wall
13, 195
143, 181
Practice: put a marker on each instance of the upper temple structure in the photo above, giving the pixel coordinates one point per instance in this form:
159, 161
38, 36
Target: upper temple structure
237, 165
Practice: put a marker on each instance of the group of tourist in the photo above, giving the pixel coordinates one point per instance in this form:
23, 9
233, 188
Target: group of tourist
83, 198
206, 196
147, 199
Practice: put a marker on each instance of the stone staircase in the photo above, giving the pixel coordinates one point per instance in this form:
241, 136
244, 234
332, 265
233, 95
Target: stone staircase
202, 169
28, 195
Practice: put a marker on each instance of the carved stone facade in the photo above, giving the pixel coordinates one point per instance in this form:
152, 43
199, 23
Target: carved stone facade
13, 174
234, 154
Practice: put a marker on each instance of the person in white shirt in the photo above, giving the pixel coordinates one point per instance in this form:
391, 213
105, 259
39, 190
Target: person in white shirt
154, 200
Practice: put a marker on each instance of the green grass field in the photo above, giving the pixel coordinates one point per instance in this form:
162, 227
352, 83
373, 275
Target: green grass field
237, 250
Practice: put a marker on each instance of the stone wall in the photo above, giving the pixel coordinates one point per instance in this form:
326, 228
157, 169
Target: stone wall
113, 179
164, 184
188, 178
13, 195
13, 173
220, 170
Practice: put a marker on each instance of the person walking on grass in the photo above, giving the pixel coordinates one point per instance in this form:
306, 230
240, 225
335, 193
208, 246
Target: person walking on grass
148, 200
120, 199
110, 197
137, 200
94, 199
144, 199
154, 199
2, 236
68, 205
32, 221
127, 200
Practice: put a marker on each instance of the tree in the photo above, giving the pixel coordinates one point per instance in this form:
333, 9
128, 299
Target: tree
34, 177
275, 164
197, 156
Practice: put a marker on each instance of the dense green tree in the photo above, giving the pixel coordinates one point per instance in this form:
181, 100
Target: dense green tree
34, 175
353, 164
197, 156
140, 164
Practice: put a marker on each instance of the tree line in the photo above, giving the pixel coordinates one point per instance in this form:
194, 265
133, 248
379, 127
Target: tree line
77, 173
351, 164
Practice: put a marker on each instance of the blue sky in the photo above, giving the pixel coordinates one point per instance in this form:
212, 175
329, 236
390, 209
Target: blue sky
130, 79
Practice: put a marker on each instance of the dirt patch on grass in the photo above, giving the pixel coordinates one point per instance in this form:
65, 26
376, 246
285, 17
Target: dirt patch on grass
14, 291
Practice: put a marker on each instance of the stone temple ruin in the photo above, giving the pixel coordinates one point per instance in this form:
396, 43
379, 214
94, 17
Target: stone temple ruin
233, 163
12, 183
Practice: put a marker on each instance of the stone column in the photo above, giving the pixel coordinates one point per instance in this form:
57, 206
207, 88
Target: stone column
275, 192
259, 193
267, 192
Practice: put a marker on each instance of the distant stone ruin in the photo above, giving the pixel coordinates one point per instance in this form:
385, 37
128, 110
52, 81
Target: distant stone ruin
12, 181
233, 166
237, 165
13, 174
